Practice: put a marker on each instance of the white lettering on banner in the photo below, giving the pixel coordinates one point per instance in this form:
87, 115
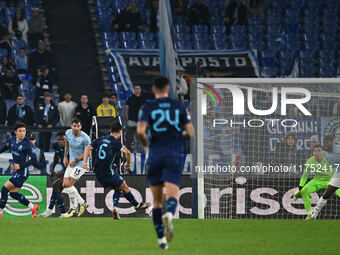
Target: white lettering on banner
180, 208
274, 206
134, 61
214, 62
91, 192
216, 194
287, 202
241, 196
240, 61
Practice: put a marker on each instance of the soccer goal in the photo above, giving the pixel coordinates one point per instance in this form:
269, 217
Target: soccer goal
253, 138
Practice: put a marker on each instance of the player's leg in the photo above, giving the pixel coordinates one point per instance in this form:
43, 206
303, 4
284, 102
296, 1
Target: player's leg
308, 189
75, 175
56, 198
70, 190
124, 188
115, 198
13, 186
157, 193
322, 202
4, 196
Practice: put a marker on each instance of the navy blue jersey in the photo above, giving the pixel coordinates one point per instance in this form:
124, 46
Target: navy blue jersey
23, 152
107, 149
166, 118
59, 151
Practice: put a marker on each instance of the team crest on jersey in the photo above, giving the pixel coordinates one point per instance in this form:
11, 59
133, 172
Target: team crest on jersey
20, 148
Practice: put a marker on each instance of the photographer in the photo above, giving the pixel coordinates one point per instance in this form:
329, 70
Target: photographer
18, 27
43, 83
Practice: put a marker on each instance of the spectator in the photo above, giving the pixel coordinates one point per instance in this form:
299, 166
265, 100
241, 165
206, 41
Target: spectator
66, 110
18, 26
21, 61
41, 57
153, 16
255, 8
133, 104
40, 166
85, 112
5, 38
9, 84
5, 64
198, 14
181, 84
105, 109
114, 103
334, 107
236, 14
179, 7
314, 140
286, 151
36, 27
128, 20
43, 83
20, 112
46, 116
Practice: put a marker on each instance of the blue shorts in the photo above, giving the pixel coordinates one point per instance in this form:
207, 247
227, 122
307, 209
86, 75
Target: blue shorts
165, 168
18, 178
113, 182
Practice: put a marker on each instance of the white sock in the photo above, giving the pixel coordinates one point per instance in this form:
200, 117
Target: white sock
1, 210
80, 200
72, 197
30, 205
162, 240
321, 203
49, 210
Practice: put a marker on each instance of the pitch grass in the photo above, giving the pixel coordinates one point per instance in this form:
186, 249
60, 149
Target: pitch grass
100, 236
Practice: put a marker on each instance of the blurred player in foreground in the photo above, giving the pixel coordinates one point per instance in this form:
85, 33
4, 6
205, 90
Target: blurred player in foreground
322, 170
166, 119
76, 141
107, 148
332, 154
22, 149
56, 197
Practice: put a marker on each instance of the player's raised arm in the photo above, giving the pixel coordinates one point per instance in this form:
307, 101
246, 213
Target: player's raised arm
87, 152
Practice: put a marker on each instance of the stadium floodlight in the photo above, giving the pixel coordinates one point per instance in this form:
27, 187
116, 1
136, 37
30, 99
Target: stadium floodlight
253, 137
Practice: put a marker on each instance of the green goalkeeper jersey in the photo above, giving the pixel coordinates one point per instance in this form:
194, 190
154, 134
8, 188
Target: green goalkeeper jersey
322, 170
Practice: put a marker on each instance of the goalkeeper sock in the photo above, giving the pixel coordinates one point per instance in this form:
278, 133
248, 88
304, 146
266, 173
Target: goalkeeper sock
171, 205
4, 197
53, 200
131, 198
21, 198
61, 204
157, 222
116, 197
321, 203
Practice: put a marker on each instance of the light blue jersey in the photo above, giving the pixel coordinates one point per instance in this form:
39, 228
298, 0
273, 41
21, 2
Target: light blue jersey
77, 145
333, 157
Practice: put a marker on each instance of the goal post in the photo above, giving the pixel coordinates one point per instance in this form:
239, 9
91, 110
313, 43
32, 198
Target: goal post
253, 137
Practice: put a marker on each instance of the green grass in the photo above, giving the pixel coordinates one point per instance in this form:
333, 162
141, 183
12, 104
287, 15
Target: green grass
99, 236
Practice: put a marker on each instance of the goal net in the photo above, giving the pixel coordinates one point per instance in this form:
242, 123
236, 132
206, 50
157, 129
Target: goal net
253, 139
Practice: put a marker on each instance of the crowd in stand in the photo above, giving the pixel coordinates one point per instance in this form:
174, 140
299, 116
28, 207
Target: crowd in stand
236, 13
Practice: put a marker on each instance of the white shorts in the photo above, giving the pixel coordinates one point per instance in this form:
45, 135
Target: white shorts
335, 181
74, 172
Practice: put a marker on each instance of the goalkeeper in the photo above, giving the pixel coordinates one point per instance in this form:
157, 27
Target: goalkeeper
323, 173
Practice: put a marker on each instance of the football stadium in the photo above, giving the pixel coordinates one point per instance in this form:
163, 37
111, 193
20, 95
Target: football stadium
191, 126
